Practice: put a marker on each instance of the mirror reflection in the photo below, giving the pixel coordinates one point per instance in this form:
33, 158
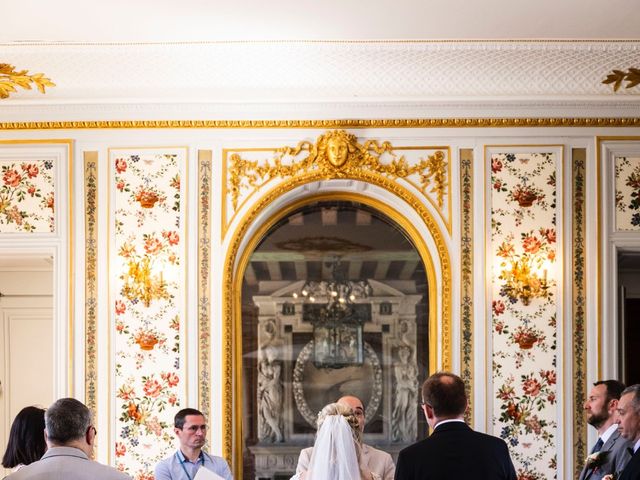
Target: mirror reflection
334, 303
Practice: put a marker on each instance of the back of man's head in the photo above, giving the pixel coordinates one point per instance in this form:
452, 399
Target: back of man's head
66, 420
614, 388
445, 393
181, 416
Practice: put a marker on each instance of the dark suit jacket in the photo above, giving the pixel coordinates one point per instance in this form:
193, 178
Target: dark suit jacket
632, 470
615, 457
454, 451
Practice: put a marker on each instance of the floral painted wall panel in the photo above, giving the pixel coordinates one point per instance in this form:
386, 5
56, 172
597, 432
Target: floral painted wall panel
524, 247
148, 253
27, 196
627, 184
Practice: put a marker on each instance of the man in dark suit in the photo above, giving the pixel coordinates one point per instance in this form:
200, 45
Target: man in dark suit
629, 426
453, 451
609, 454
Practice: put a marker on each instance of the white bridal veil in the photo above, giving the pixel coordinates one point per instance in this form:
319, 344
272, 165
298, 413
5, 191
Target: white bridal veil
334, 453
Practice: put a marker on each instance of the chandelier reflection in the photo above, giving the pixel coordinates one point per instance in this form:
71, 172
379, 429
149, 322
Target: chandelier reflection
333, 308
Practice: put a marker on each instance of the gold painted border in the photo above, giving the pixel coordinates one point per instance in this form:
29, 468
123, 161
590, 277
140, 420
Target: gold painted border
600, 165
204, 284
578, 305
91, 280
234, 270
466, 276
70, 292
505, 122
226, 223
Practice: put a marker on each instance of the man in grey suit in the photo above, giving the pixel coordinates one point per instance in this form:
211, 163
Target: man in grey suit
609, 454
70, 437
375, 460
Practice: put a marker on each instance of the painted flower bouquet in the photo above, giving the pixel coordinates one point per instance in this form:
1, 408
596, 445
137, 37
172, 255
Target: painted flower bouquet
526, 337
525, 195
147, 197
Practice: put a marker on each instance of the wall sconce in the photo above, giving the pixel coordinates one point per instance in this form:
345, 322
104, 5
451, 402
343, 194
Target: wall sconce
523, 281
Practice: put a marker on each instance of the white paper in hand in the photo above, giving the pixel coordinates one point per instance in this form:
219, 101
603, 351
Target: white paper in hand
206, 474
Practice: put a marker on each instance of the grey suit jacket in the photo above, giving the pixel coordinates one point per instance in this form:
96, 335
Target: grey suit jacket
67, 463
377, 461
615, 458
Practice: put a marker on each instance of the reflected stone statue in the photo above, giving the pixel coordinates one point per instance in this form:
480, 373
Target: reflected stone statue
270, 402
404, 417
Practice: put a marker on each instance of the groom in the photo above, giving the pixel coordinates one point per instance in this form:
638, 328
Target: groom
453, 451
375, 460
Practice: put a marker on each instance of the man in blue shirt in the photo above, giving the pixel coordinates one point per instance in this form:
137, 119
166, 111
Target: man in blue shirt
191, 430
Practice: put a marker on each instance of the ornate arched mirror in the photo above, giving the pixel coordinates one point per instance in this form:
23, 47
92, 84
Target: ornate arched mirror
334, 302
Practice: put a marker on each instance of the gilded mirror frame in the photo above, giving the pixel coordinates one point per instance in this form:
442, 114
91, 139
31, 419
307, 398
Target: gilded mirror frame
237, 260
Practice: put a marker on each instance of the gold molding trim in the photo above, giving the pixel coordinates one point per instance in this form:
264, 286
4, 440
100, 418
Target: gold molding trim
232, 282
505, 122
91, 279
10, 78
631, 76
336, 154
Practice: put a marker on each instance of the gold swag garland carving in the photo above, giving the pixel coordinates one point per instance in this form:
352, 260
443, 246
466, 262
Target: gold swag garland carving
337, 154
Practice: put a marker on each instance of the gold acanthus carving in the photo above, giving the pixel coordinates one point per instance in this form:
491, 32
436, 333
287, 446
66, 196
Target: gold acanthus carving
10, 78
337, 154
632, 77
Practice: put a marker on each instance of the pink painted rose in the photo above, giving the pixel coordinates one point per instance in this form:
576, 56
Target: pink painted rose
171, 378
119, 326
50, 202
498, 307
121, 449
152, 388
14, 214
120, 185
549, 234
531, 386
120, 307
31, 190
549, 376
12, 178
497, 185
496, 165
121, 165
172, 399
31, 169
152, 245
531, 244
172, 237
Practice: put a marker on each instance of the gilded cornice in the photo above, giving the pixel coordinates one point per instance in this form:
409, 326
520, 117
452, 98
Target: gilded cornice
507, 122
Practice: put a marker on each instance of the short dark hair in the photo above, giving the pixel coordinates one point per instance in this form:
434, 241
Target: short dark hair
444, 392
26, 439
635, 389
614, 388
66, 420
181, 416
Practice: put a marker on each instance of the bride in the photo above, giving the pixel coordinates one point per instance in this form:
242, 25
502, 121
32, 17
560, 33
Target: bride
336, 452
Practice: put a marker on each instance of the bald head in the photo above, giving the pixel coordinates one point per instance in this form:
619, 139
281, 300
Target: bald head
356, 406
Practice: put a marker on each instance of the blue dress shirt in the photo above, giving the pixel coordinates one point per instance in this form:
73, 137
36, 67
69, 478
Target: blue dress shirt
177, 467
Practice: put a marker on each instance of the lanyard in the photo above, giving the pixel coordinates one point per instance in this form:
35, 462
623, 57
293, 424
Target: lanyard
201, 458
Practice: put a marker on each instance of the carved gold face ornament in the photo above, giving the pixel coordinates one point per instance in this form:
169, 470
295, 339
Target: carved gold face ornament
337, 151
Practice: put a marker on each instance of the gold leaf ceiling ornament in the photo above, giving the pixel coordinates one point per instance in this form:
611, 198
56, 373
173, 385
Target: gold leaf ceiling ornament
632, 77
337, 154
10, 78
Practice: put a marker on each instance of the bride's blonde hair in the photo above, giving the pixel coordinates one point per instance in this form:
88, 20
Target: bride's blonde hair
347, 412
